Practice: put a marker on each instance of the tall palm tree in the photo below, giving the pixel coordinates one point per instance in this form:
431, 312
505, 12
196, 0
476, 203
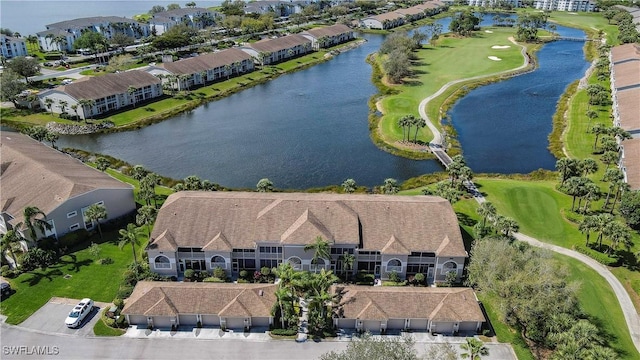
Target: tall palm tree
474, 348
62, 104
146, 216
33, 222
402, 122
95, 213
419, 123
130, 236
587, 225
618, 233
74, 107
10, 240
600, 226
33, 40
609, 158
48, 102
486, 210
131, 90
321, 249
588, 166
347, 262
597, 129
390, 186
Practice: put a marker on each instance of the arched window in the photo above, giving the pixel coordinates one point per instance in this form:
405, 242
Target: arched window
295, 263
162, 262
449, 266
394, 265
218, 261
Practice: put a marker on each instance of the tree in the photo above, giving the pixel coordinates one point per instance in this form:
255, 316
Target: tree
600, 226
131, 90
618, 233
463, 23
588, 166
382, 348
157, 9
347, 262
474, 349
35, 220
10, 241
96, 212
486, 210
130, 236
630, 208
587, 224
37, 257
506, 225
102, 163
173, 7
264, 185
11, 86
320, 248
90, 40
567, 168
146, 216
120, 63
48, 102
349, 186
419, 123
390, 186
610, 158
441, 351
24, 66
86, 104
138, 172
396, 66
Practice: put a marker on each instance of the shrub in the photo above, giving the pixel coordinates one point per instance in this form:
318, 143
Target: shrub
72, 239
121, 322
105, 261
190, 274
597, 256
219, 272
118, 302
284, 332
124, 291
394, 276
419, 278
243, 281
213, 279
244, 274
265, 271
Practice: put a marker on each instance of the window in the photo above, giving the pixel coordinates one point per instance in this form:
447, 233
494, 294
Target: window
218, 261
295, 262
341, 251
72, 214
394, 265
270, 263
74, 227
162, 262
449, 266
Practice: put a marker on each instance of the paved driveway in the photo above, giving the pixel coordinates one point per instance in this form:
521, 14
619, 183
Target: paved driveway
50, 318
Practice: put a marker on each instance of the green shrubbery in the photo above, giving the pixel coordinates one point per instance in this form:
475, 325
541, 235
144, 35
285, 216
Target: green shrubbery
284, 332
597, 256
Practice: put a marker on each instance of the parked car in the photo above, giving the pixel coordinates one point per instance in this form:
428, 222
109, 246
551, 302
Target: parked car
5, 288
78, 313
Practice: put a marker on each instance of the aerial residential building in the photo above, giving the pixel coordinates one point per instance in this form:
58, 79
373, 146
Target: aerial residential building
565, 5
200, 69
104, 93
62, 187
625, 88
247, 231
280, 8
384, 21
12, 46
270, 51
62, 35
197, 18
328, 36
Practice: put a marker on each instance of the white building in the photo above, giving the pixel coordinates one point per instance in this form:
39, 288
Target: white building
12, 46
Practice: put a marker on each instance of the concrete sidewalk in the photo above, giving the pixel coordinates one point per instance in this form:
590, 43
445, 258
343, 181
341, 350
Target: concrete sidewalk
201, 333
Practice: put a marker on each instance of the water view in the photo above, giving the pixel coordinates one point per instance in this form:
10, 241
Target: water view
310, 128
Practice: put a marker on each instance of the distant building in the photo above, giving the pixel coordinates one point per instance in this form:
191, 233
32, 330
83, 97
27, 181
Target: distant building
12, 46
201, 69
625, 87
107, 93
565, 5
271, 51
70, 30
399, 17
328, 36
62, 187
197, 18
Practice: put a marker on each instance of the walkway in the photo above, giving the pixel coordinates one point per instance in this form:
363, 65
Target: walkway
436, 146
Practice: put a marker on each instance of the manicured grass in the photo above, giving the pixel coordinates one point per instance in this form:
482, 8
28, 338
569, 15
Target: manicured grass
587, 21
453, 58
88, 279
600, 304
101, 329
41, 118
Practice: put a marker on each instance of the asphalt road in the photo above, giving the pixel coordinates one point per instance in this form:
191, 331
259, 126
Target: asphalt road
50, 318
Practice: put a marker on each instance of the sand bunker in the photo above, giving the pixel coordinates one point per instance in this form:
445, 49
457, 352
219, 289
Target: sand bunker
500, 46
489, 31
494, 58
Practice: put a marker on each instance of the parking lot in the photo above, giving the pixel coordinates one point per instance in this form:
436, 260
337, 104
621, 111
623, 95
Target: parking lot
50, 318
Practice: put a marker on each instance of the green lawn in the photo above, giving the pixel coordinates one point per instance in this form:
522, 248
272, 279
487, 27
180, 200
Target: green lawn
88, 279
595, 295
588, 21
453, 58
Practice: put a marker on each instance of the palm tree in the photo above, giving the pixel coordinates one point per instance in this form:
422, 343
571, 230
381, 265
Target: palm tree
419, 123
347, 261
61, 41
86, 103
587, 225
96, 212
349, 186
402, 122
48, 102
102, 163
33, 40
51, 137
564, 167
130, 236
321, 250
486, 210
600, 226
138, 172
390, 186
609, 158
264, 185
588, 166
146, 216
474, 348
613, 176
33, 222
10, 240
131, 90
203, 77
74, 107
507, 226
618, 233
227, 70
597, 129
591, 193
